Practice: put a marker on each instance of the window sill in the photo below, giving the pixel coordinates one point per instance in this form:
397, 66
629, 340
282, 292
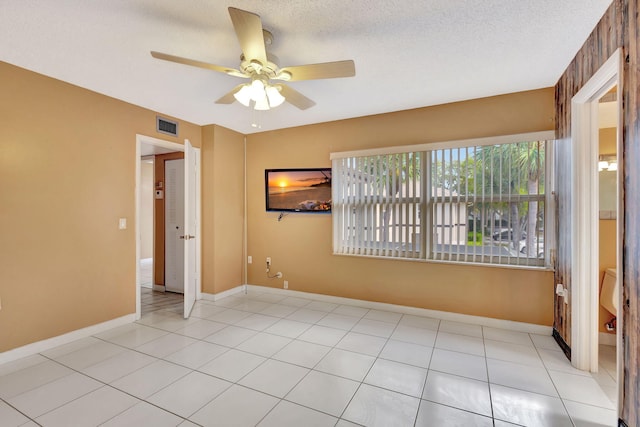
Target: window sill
452, 263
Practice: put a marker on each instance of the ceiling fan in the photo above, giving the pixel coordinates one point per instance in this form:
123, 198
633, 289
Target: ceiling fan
261, 67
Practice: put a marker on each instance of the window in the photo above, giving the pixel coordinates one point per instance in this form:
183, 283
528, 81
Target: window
482, 203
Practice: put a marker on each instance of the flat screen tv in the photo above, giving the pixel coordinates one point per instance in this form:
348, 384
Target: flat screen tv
298, 190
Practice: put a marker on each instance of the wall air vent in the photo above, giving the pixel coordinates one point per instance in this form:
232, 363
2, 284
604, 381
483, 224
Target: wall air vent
166, 126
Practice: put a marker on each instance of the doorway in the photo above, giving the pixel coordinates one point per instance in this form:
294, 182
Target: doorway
146, 221
586, 214
608, 292
190, 234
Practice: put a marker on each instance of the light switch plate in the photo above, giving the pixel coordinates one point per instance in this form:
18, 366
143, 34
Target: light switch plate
122, 224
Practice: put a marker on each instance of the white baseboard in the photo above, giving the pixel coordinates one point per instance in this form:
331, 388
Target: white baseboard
48, 344
146, 285
607, 339
223, 294
443, 315
159, 288
40, 346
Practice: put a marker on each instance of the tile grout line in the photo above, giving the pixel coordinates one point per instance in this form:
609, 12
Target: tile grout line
546, 368
270, 358
426, 377
350, 330
332, 374
107, 384
370, 367
333, 347
170, 314
19, 411
486, 362
114, 388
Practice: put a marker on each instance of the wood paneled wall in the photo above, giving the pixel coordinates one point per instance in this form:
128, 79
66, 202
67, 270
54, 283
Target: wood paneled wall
619, 27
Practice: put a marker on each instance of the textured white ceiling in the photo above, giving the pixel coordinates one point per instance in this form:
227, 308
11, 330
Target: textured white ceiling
408, 54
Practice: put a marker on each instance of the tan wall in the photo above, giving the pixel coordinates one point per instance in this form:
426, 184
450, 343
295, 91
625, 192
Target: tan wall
607, 141
300, 244
67, 173
607, 228
146, 209
222, 209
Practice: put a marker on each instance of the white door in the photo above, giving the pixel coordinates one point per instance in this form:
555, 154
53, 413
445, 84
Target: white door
174, 211
191, 226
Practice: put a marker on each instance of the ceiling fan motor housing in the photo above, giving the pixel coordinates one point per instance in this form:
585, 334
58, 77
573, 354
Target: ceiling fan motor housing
254, 66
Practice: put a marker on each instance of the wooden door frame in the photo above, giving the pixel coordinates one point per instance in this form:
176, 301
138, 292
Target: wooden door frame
585, 215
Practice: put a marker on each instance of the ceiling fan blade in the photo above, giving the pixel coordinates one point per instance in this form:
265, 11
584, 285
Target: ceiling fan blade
325, 70
295, 98
200, 64
248, 28
229, 98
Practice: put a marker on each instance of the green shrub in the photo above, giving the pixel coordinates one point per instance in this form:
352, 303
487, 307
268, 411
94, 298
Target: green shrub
474, 238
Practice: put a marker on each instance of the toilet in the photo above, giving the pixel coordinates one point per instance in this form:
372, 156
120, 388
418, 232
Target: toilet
609, 294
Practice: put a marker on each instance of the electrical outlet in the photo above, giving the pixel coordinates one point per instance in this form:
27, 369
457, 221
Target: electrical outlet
286, 284
268, 260
249, 259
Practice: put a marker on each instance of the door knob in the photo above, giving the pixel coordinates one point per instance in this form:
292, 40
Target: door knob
187, 237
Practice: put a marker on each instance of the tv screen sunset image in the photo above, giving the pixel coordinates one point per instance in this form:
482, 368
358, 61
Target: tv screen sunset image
299, 190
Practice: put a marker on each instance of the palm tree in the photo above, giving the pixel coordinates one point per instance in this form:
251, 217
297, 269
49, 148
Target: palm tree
530, 160
385, 176
395, 170
503, 169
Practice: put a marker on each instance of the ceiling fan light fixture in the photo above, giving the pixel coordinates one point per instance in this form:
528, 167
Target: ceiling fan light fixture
274, 96
243, 96
257, 90
262, 104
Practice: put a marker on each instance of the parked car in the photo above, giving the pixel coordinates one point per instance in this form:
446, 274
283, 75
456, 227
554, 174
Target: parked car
504, 234
538, 243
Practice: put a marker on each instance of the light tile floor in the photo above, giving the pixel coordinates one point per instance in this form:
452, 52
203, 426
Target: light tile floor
271, 360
